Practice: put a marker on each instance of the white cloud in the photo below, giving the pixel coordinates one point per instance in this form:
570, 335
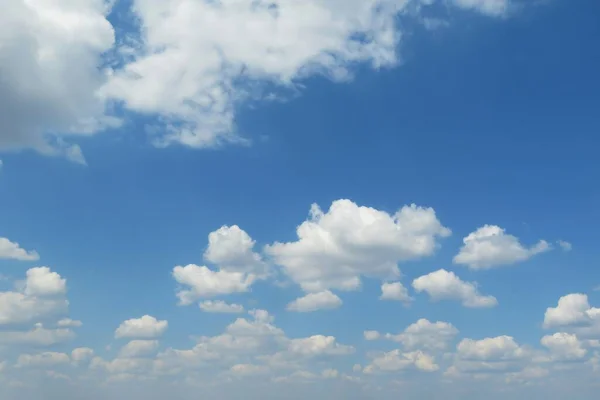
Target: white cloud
251, 346
38, 336
146, 327
572, 310
564, 346
82, 355
50, 83
395, 360
493, 8
566, 246
371, 335
444, 285
318, 345
55, 88
139, 348
248, 42
41, 281
237, 267
324, 300
334, 249
39, 297
13, 251
494, 349
47, 359
219, 306
424, 334
254, 41
489, 247
200, 281
231, 248
69, 323
395, 291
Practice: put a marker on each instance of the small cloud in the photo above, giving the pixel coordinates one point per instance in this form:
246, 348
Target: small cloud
566, 246
597, 288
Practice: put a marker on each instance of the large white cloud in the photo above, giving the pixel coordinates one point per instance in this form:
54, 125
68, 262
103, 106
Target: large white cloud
490, 246
39, 297
573, 312
564, 346
336, 248
444, 285
12, 250
191, 79
145, 327
50, 83
247, 42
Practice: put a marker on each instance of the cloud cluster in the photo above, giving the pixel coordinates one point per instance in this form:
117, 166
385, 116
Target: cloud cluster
69, 71
336, 248
31, 314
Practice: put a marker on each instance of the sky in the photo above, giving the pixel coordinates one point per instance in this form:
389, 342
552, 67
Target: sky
357, 199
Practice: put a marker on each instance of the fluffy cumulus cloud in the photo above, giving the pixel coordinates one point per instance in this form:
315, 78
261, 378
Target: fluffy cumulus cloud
444, 285
146, 327
564, 346
200, 281
232, 249
490, 246
574, 313
219, 306
13, 251
500, 348
493, 355
39, 297
424, 334
237, 268
336, 248
324, 300
395, 291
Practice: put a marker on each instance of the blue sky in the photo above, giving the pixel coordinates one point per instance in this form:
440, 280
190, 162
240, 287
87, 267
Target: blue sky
160, 161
